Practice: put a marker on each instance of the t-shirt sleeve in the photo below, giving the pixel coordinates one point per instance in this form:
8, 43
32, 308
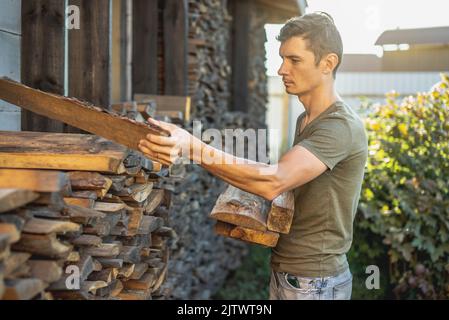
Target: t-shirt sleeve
330, 141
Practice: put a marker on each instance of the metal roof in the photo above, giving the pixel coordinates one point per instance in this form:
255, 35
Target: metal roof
435, 35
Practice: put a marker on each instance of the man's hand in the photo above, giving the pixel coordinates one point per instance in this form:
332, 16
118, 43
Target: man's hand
166, 150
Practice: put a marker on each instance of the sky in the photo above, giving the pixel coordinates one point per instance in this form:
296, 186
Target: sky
361, 22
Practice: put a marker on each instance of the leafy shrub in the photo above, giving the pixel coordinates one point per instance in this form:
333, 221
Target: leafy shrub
405, 197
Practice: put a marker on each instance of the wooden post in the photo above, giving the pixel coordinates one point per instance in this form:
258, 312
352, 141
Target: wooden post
145, 46
90, 54
42, 54
175, 47
241, 12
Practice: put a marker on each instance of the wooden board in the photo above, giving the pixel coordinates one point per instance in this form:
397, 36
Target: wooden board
267, 238
40, 150
241, 208
34, 180
89, 118
281, 213
14, 198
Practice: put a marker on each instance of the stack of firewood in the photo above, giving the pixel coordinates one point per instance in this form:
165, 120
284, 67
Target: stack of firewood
80, 218
209, 69
245, 216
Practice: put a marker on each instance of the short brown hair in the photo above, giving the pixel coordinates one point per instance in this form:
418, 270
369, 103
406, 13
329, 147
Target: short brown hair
320, 32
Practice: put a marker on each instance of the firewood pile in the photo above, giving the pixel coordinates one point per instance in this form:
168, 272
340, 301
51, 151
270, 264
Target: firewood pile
80, 218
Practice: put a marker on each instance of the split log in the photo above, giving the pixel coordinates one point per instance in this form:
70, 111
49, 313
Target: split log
265, 238
11, 199
241, 208
281, 213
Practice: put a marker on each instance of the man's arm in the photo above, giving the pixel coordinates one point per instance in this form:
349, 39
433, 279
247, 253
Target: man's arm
295, 168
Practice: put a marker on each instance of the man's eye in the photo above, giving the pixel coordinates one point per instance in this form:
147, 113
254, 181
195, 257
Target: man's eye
296, 61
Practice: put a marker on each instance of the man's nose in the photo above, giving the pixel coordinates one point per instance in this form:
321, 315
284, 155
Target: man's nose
282, 70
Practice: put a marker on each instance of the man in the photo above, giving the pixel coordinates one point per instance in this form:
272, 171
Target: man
325, 166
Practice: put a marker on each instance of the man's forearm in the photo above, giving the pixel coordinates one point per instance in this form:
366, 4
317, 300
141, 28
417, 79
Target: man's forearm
255, 177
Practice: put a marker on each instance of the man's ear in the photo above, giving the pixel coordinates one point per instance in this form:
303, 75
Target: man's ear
329, 63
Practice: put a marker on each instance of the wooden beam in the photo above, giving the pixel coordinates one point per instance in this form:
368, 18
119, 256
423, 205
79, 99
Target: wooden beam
175, 46
34, 180
89, 61
145, 46
241, 35
78, 114
60, 151
42, 55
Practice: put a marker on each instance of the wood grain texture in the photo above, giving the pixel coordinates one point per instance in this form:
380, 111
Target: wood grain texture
265, 238
78, 114
241, 208
40, 150
34, 180
42, 54
281, 213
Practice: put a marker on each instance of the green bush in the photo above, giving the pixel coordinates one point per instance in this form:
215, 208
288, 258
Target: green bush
405, 197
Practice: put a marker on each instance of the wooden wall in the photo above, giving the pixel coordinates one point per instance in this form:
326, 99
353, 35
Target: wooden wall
10, 34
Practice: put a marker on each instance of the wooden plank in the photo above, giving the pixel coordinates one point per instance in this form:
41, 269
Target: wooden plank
281, 213
267, 238
80, 202
168, 103
145, 46
241, 208
34, 180
43, 46
89, 118
175, 46
11, 199
89, 60
47, 226
40, 150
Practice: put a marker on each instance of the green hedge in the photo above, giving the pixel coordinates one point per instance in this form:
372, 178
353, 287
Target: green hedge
405, 197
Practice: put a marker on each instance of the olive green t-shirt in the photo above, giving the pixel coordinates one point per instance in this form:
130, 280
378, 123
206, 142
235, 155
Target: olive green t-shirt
321, 232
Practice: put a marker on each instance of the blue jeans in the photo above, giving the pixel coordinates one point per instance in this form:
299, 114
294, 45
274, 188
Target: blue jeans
284, 286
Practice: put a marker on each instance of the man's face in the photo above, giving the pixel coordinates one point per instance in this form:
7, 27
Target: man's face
299, 71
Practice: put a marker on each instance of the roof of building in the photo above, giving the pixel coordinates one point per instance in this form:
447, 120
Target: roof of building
435, 35
360, 63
